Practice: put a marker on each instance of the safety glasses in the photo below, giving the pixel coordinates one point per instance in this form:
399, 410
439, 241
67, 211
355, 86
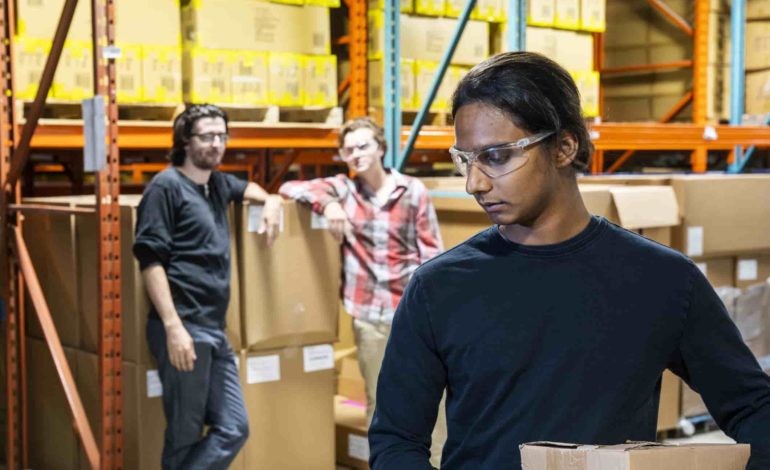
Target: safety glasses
496, 161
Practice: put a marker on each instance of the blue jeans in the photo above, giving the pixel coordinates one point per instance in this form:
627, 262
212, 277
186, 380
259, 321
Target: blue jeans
210, 396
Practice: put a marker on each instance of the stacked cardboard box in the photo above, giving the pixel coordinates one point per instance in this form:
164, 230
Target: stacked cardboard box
284, 59
148, 69
279, 322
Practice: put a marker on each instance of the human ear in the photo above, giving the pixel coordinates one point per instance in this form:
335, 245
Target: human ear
566, 149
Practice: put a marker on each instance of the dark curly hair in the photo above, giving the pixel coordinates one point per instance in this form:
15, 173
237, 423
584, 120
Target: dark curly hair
183, 128
536, 93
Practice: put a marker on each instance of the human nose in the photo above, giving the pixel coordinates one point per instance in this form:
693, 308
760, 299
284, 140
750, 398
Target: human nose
477, 181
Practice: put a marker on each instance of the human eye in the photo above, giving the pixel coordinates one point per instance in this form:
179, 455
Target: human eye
496, 156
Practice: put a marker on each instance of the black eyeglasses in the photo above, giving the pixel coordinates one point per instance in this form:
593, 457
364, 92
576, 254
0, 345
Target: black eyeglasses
210, 137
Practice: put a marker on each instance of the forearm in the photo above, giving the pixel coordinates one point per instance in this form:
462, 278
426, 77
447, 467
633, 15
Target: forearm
255, 193
159, 292
317, 193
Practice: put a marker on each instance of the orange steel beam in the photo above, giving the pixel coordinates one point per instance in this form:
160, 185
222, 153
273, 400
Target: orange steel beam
357, 105
275, 181
342, 40
82, 427
700, 72
654, 136
107, 188
671, 114
672, 16
599, 65
49, 209
344, 85
22, 150
678, 64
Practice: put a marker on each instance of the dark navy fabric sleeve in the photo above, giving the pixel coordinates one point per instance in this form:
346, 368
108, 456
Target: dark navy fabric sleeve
155, 220
715, 362
236, 187
412, 380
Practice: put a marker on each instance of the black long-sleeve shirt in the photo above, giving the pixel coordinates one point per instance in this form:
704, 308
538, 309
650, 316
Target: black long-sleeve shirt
185, 230
564, 342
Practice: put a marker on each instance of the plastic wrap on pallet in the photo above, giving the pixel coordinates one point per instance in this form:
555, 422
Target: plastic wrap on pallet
752, 312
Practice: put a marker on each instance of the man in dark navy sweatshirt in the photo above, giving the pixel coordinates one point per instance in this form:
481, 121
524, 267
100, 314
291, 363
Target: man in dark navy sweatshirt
552, 324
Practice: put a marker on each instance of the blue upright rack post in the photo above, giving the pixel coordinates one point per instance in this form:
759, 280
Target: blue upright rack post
738, 77
392, 88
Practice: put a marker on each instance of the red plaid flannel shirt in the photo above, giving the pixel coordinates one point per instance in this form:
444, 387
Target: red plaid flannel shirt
390, 241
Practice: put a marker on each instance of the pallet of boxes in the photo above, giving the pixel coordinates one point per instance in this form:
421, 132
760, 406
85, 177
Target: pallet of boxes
148, 67
281, 322
249, 55
725, 229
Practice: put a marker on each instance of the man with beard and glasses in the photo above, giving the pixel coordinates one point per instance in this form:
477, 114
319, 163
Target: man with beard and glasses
387, 227
551, 325
183, 248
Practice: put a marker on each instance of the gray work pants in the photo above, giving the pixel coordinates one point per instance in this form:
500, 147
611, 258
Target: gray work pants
210, 396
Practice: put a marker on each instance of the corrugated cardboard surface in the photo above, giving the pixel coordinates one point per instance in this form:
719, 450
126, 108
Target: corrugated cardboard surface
291, 418
290, 291
52, 440
692, 403
720, 271
636, 456
752, 269
352, 445
350, 382
670, 395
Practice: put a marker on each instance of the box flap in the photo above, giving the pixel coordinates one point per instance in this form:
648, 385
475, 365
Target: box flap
560, 445
646, 206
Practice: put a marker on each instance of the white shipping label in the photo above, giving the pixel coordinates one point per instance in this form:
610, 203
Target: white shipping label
255, 219
154, 387
237, 362
318, 222
263, 369
694, 241
748, 270
358, 447
703, 267
319, 357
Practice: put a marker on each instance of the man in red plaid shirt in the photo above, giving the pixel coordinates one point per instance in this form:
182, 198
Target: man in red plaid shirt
387, 227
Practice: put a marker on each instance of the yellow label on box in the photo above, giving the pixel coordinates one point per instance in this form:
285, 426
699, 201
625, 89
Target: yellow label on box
207, 76
541, 12
567, 14
30, 55
250, 77
429, 7
320, 80
161, 74
425, 72
74, 76
592, 15
324, 3
286, 86
129, 74
493, 11
588, 85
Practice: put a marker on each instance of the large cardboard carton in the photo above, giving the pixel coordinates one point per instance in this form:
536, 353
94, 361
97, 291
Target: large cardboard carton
427, 39
758, 9
758, 92
74, 75
633, 456
720, 271
425, 72
692, 403
567, 14
30, 55
571, 49
154, 22
207, 75
376, 77
351, 433
406, 5
721, 215
651, 210
350, 382
541, 12
257, 26
320, 80
290, 291
670, 401
289, 400
143, 421
752, 269
757, 45
250, 77
39, 18
286, 85
429, 7
49, 418
51, 241
588, 86
162, 74
592, 15
129, 74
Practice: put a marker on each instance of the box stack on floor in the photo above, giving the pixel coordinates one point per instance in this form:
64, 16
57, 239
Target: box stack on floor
758, 57
149, 68
284, 59
281, 323
714, 219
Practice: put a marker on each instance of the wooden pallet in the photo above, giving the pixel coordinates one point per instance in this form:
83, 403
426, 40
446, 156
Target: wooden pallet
267, 115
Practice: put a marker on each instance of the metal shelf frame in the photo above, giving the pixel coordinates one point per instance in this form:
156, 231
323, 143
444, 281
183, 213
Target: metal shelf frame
104, 451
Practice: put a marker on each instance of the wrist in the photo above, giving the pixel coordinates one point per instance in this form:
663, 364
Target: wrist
172, 323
